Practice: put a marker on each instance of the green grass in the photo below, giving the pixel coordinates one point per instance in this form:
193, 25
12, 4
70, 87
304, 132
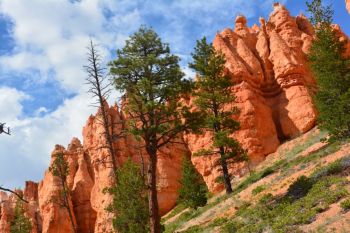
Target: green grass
283, 214
287, 206
174, 212
186, 216
345, 205
258, 189
305, 198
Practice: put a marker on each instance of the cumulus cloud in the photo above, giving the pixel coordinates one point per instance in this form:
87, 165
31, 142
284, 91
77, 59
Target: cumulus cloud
53, 35
10, 104
33, 138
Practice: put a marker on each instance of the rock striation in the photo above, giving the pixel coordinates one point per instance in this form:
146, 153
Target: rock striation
273, 86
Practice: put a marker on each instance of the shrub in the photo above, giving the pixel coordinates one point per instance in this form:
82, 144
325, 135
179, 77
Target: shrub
20, 223
299, 188
345, 205
258, 189
284, 214
193, 188
129, 200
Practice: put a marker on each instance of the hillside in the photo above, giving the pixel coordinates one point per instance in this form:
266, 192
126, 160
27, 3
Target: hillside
270, 200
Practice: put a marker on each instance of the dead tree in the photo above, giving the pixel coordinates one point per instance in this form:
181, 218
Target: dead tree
100, 88
4, 129
18, 195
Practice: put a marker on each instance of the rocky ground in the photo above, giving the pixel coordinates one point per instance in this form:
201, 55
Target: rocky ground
299, 157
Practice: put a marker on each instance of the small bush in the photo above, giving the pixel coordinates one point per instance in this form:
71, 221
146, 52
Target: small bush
219, 180
345, 205
283, 214
299, 188
194, 229
193, 191
268, 197
258, 189
20, 223
267, 171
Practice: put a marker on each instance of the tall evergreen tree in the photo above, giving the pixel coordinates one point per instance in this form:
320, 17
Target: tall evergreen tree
150, 78
130, 200
215, 99
193, 191
332, 72
20, 223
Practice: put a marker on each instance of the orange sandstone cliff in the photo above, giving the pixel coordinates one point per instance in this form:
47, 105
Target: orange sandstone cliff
269, 65
273, 87
347, 2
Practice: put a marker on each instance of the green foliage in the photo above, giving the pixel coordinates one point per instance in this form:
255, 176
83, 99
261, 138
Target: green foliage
175, 211
150, 79
59, 167
193, 191
276, 214
20, 223
215, 101
300, 187
332, 72
345, 205
187, 215
194, 229
218, 222
130, 201
256, 176
337, 167
258, 189
151, 82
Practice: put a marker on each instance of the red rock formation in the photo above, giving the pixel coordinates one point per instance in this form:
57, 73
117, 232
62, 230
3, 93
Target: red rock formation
90, 172
270, 69
268, 65
347, 2
8, 204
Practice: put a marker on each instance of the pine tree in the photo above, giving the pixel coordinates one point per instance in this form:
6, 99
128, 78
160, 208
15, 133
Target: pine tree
150, 78
332, 72
130, 200
60, 169
193, 191
20, 223
214, 98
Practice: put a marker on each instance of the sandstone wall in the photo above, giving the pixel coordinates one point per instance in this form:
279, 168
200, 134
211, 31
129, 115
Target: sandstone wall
269, 65
273, 88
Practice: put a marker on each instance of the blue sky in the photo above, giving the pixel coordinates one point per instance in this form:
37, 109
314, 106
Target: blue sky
42, 51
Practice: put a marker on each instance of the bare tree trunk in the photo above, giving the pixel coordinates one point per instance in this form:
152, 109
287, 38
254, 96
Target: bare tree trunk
99, 90
14, 193
226, 175
152, 192
67, 205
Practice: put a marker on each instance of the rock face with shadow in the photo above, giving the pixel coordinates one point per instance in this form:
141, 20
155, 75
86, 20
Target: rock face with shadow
273, 86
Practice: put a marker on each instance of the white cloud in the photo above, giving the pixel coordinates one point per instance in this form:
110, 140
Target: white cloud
54, 34
10, 104
33, 138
